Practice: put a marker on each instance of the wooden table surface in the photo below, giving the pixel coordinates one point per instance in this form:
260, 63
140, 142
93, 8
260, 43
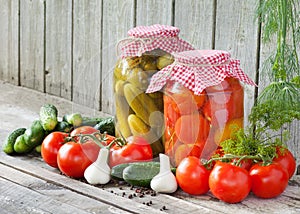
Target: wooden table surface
28, 185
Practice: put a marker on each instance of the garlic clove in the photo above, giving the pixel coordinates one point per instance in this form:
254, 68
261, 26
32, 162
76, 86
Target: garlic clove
99, 171
165, 180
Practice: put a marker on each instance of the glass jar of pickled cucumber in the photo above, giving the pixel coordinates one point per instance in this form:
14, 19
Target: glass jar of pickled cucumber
146, 51
203, 102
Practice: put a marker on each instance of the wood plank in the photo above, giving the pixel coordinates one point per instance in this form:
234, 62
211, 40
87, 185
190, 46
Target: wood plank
293, 142
112, 194
146, 12
285, 203
180, 202
53, 192
237, 33
32, 44
19, 106
18, 199
37, 168
59, 48
195, 20
9, 30
87, 53
118, 18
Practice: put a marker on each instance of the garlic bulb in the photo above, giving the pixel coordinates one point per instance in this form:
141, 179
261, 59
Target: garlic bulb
99, 171
165, 180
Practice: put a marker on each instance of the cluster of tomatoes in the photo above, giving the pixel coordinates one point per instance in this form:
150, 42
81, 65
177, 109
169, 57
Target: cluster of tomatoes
232, 183
227, 181
72, 155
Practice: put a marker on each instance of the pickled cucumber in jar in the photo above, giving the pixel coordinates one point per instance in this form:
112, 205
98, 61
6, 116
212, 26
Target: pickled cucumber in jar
139, 113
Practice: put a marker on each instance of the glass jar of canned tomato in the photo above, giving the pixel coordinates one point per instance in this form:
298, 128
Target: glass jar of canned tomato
203, 102
196, 124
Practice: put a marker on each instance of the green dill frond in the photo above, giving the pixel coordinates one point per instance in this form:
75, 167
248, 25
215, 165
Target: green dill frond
280, 19
266, 14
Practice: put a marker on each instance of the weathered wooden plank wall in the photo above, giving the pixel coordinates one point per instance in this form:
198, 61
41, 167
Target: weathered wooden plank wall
67, 48
58, 48
118, 17
32, 44
9, 31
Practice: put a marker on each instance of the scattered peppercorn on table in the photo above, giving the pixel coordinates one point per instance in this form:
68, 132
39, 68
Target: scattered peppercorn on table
29, 185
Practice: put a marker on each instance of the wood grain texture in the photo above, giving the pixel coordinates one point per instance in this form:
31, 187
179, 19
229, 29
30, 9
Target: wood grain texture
104, 195
118, 18
59, 48
236, 32
195, 20
39, 193
87, 53
113, 195
32, 44
154, 12
9, 31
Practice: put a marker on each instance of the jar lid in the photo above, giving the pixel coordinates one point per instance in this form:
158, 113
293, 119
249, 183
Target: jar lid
156, 30
199, 69
147, 38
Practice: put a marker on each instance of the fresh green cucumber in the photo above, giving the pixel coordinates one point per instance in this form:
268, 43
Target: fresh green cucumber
91, 121
34, 135
140, 174
8, 145
63, 126
117, 171
48, 117
106, 125
74, 119
20, 146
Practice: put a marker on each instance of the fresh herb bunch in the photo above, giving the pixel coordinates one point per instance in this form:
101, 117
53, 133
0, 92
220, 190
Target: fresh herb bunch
279, 103
280, 18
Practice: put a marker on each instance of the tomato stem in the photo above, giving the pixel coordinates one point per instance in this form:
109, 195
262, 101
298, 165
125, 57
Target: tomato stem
98, 141
102, 139
240, 158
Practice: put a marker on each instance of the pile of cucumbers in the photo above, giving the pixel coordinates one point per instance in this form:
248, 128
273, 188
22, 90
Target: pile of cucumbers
25, 140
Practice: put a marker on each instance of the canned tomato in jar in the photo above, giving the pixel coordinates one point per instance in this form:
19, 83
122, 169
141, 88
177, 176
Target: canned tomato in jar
147, 50
203, 102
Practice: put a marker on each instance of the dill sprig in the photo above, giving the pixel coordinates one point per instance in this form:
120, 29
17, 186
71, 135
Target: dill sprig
280, 18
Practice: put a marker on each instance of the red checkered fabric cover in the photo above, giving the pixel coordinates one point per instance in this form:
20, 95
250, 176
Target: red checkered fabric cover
147, 38
199, 69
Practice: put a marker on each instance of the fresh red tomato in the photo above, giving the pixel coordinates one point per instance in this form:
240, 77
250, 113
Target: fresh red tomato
192, 176
50, 146
268, 181
135, 149
229, 183
286, 159
185, 150
84, 130
73, 158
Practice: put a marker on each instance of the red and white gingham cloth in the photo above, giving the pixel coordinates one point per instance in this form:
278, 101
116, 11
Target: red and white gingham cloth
199, 69
147, 38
